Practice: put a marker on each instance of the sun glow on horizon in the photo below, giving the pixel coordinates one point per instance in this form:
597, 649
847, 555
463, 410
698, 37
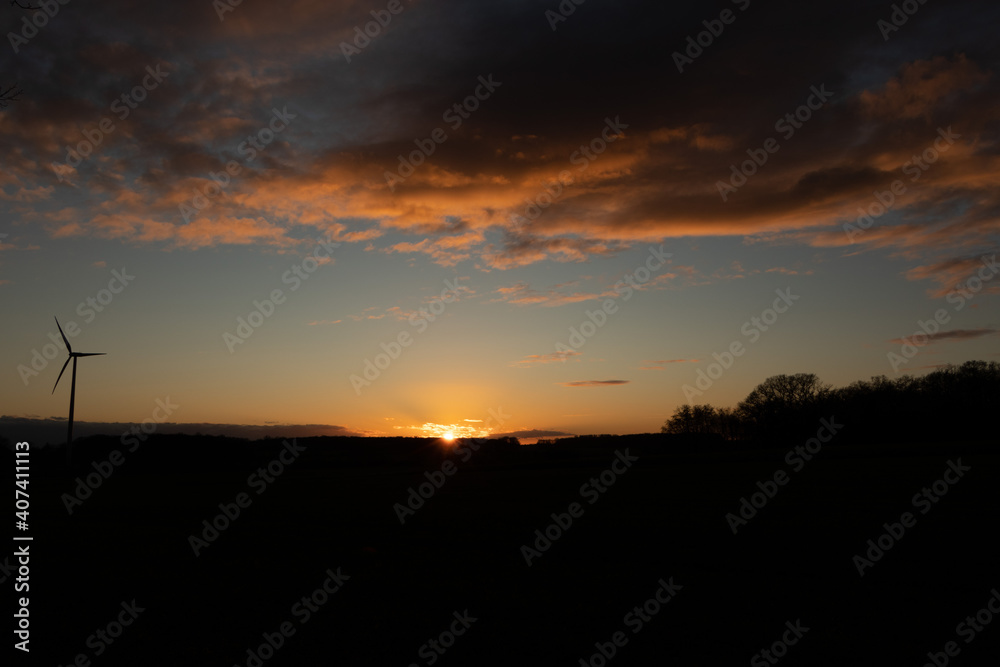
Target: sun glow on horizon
449, 432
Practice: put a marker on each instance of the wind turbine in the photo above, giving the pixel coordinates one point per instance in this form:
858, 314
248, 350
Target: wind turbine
72, 390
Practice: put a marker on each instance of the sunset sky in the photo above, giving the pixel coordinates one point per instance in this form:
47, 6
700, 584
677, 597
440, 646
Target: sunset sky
569, 156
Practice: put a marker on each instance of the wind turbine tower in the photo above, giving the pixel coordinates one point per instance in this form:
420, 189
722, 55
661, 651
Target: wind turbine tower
72, 390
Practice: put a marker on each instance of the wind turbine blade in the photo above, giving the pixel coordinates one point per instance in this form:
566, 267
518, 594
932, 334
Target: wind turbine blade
89, 354
68, 347
60, 374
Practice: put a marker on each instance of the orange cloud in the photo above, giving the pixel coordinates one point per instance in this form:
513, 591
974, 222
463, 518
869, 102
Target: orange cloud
957, 272
595, 383
921, 86
954, 334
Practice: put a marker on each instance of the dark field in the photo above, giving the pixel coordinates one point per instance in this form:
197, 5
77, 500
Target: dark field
663, 518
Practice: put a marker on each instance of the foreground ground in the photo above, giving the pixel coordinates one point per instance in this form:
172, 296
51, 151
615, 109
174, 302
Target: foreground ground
663, 519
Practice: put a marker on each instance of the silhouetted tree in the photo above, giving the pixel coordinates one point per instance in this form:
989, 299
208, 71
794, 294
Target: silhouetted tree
682, 421
948, 403
782, 405
729, 425
703, 420
953, 402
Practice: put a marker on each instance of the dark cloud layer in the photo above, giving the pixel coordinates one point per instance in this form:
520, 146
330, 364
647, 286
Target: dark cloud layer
53, 431
557, 91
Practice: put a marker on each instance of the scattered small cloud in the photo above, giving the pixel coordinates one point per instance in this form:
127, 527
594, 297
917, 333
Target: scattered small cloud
956, 273
523, 294
594, 383
954, 334
533, 433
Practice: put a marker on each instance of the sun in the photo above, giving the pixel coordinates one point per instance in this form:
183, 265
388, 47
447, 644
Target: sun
448, 436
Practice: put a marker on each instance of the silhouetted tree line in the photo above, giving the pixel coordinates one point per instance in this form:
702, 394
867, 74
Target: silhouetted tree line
953, 403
